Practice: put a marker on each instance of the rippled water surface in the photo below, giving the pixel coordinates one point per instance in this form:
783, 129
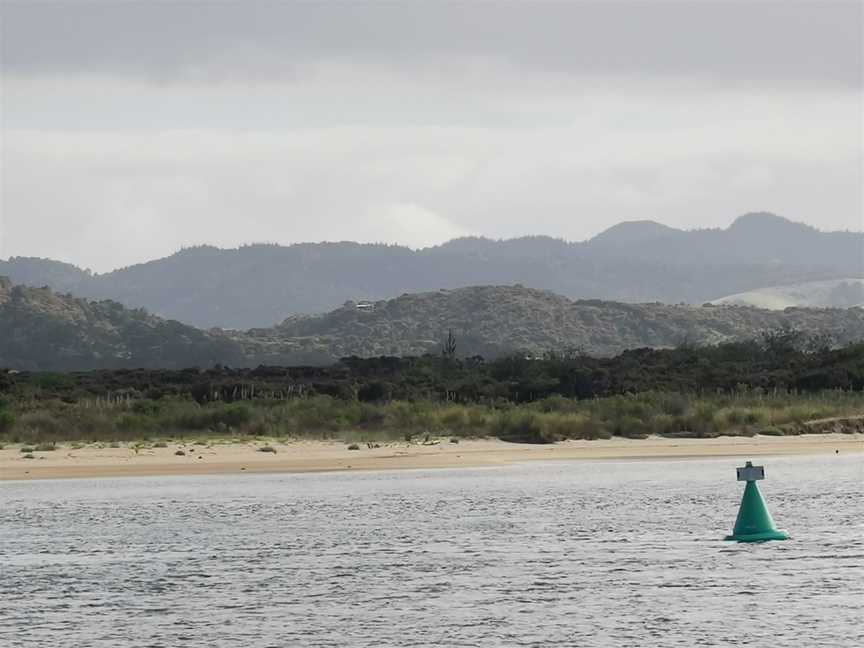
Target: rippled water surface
544, 554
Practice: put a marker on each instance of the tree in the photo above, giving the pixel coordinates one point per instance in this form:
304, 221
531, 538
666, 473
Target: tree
448, 349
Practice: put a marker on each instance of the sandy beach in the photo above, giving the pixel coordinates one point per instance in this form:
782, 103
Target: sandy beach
320, 456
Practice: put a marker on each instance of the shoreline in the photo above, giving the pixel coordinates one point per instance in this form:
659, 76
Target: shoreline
302, 456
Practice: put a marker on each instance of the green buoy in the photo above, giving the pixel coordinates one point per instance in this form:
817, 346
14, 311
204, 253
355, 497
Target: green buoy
754, 523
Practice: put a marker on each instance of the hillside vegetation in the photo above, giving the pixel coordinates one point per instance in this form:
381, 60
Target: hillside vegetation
643, 261
41, 330
496, 320
783, 383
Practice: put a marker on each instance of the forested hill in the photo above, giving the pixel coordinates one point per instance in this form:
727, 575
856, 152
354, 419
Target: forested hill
41, 330
497, 320
643, 261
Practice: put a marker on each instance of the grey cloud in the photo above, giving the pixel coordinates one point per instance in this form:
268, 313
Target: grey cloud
113, 198
779, 42
131, 129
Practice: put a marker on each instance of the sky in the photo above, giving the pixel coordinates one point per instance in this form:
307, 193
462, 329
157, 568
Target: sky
130, 130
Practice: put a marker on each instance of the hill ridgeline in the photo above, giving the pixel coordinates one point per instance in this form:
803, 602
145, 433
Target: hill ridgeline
640, 261
497, 320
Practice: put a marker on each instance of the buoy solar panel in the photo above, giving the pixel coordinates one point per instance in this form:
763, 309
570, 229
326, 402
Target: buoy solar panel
754, 522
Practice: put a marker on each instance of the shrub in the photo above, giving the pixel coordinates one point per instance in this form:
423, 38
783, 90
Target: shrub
212, 416
51, 381
772, 431
146, 407
674, 404
573, 426
267, 448
631, 428
523, 427
590, 428
478, 419
7, 421
128, 422
454, 418
702, 421
353, 446
179, 453
753, 417
233, 415
664, 424
40, 424
369, 416
735, 416
373, 391
558, 404
262, 427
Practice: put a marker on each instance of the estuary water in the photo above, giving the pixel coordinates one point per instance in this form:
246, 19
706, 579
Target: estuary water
601, 553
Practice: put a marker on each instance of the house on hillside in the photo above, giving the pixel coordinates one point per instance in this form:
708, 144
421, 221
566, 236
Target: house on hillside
360, 306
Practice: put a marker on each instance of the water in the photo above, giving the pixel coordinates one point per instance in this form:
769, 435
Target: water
544, 554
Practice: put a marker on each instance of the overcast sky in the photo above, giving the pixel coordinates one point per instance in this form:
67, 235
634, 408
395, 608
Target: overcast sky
132, 129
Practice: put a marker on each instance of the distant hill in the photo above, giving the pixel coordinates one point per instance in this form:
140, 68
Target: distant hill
496, 320
642, 261
833, 293
42, 331
633, 235
61, 277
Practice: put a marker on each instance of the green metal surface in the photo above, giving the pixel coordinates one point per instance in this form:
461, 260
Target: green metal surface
754, 522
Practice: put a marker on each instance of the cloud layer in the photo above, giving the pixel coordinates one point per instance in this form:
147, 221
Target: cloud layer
131, 130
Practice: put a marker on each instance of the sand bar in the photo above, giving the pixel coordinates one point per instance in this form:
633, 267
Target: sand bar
320, 456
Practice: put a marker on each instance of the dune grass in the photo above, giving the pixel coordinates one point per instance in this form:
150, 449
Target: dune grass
44, 423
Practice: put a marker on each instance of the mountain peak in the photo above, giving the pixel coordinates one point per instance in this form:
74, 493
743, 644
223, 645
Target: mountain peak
641, 260
765, 222
630, 232
465, 244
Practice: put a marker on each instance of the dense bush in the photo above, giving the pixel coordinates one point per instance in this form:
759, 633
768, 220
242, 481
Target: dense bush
40, 425
545, 421
212, 417
737, 388
6, 418
129, 422
6, 421
522, 427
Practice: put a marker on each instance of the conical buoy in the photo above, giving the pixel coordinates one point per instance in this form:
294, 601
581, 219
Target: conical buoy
754, 522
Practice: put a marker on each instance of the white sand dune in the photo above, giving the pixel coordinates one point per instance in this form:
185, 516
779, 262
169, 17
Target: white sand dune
832, 293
